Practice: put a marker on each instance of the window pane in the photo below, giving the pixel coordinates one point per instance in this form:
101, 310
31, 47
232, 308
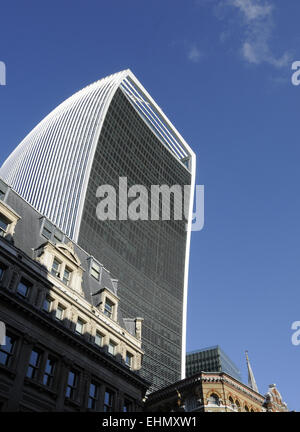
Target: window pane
33, 364
6, 350
98, 339
55, 267
108, 308
47, 305
46, 233
23, 288
3, 223
111, 348
93, 396
58, 236
72, 382
2, 270
108, 401
79, 326
49, 371
67, 274
59, 313
127, 406
128, 359
95, 271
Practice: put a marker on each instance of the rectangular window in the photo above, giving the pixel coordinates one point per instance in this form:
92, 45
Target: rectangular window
34, 364
55, 267
2, 270
47, 304
23, 288
58, 236
108, 308
46, 233
49, 372
4, 222
59, 313
95, 271
128, 359
48, 229
108, 401
127, 407
93, 396
79, 326
67, 275
99, 339
7, 350
112, 348
72, 384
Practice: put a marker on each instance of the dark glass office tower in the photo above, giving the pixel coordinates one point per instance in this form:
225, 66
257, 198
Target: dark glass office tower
211, 359
147, 257
112, 129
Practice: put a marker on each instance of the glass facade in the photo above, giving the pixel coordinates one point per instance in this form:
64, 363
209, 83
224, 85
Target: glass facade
211, 360
147, 257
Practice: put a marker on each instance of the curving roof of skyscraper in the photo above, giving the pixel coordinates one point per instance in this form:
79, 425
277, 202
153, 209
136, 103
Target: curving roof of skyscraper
50, 168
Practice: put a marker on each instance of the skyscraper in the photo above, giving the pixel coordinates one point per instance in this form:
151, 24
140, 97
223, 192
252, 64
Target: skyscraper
112, 129
212, 359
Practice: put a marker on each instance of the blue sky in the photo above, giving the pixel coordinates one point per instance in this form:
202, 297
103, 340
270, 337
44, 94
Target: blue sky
221, 71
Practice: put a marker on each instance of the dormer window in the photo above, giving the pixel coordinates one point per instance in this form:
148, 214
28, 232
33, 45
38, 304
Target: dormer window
51, 232
67, 275
4, 223
108, 308
109, 304
8, 220
55, 267
62, 262
46, 232
3, 190
95, 270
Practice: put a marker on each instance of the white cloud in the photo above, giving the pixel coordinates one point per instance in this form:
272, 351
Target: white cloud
194, 54
252, 10
257, 24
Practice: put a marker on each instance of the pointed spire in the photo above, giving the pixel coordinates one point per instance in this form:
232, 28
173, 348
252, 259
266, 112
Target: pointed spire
251, 379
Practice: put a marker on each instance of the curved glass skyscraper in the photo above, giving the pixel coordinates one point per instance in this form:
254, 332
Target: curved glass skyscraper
111, 129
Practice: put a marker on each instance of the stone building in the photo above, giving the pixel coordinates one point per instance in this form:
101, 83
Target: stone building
206, 392
215, 392
67, 346
273, 400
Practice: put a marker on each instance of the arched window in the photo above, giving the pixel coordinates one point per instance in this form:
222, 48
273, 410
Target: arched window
252, 410
214, 399
231, 402
238, 405
246, 408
